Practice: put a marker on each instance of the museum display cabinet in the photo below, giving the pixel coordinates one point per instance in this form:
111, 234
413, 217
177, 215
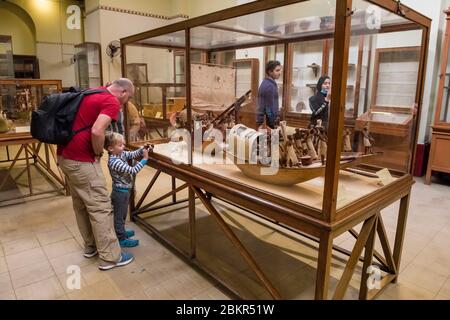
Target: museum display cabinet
26, 67
88, 65
439, 159
6, 57
18, 98
318, 195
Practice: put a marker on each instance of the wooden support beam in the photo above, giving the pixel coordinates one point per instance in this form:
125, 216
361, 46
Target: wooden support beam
351, 263
385, 245
323, 266
376, 254
237, 243
192, 224
168, 194
400, 232
368, 256
147, 190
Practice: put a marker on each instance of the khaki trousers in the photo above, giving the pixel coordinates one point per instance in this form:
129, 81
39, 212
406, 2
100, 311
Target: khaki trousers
92, 206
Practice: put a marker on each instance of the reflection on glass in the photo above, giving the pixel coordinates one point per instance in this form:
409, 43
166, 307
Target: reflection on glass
17, 100
445, 116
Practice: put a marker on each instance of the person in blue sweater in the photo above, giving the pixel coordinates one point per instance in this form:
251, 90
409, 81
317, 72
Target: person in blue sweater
267, 109
122, 175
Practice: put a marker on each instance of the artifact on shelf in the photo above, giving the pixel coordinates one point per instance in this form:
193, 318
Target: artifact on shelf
346, 144
315, 67
368, 140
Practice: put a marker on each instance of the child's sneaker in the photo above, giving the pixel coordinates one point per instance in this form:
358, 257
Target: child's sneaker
125, 258
129, 233
128, 243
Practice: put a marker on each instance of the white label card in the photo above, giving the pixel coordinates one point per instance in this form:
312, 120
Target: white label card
385, 176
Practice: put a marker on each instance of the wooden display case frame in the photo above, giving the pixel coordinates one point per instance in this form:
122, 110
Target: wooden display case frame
439, 159
324, 225
35, 153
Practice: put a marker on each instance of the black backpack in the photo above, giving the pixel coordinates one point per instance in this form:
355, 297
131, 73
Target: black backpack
52, 122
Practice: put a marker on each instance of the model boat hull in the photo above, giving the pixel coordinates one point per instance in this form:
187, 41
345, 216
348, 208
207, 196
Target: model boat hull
294, 175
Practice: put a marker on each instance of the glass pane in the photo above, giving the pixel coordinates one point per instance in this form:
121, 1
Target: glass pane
6, 57
384, 67
88, 65
445, 114
152, 71
17, 101
306, 71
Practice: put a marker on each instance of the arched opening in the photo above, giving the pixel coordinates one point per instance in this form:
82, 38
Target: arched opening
17, 25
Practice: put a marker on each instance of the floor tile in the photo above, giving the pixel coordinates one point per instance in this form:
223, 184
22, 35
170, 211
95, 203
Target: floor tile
32, 273
42, 290
60, 264
405, 290
5, 283
47, 237
102, 290
424, 277
25, 258
3, 265
445, 289
61, 248
7, 295
19, 245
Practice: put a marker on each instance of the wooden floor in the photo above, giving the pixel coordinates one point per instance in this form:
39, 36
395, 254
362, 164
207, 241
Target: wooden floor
39, 239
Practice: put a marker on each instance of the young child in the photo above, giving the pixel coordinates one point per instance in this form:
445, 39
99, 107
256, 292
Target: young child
122, 180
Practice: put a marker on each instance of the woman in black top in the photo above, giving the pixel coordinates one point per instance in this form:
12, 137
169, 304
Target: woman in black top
319, 103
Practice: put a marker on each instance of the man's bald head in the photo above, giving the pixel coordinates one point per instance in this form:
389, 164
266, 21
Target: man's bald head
124, 83
122, 89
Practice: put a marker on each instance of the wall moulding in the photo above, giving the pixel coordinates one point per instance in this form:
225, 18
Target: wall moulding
138, 13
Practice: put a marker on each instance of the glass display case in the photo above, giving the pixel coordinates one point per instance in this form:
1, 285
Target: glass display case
18, 98
321, 180
439, 159
6, 57
247, 78
392, 105
88, 65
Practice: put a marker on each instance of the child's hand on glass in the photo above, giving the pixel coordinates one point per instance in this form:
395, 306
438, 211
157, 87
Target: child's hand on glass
145, 154
148, 147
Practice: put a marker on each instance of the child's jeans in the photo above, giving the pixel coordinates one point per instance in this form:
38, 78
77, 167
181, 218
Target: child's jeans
120, 201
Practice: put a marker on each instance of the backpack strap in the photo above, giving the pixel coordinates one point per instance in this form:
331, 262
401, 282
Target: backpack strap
86, 93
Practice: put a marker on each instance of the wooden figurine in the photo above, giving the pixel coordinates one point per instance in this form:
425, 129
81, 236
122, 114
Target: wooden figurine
347, 146
309, 142
282, 151
303, 142
291, 156
298, 142
323, 139
368, 140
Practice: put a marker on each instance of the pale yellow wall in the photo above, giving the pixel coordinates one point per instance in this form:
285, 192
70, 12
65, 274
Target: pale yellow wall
91, 4
53, 42
195, 8
49, 17
23, 40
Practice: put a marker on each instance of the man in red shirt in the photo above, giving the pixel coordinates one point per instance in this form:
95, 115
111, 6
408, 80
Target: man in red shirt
80, 162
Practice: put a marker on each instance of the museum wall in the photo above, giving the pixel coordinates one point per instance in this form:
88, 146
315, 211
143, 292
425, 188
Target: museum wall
14, 23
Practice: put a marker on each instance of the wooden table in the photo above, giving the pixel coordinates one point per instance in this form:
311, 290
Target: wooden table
30, 151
